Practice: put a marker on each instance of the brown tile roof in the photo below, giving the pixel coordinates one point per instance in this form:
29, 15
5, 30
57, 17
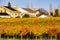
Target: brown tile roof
10, 8
29, 10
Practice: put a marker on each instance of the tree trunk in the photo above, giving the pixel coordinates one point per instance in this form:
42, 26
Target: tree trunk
51, 38
0, 35
41, 38
55, 37
36, 37
21, 37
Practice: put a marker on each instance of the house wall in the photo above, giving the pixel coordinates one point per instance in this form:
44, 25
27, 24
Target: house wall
13, 14
34, 14
4, 16
2, 9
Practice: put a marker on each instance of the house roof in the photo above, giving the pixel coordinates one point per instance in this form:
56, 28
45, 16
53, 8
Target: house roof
4, 14
29, 10
43, 11
10, 8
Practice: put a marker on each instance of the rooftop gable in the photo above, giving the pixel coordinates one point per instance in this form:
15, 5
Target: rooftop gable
29, 10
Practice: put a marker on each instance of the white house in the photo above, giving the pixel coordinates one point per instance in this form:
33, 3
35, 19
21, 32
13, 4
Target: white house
12, 12
28, 11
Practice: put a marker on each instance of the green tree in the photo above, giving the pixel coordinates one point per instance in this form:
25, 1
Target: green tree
51, 13
26, 16
9, 4
56, 13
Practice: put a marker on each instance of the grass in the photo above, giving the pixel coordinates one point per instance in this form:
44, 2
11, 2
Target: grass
9, 39
25, 39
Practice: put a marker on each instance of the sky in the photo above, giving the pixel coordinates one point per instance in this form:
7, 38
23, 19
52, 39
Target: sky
33, 3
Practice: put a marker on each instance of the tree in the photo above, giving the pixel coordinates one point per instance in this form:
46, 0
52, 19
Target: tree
56, 13
26, 16
51, 13
9, 4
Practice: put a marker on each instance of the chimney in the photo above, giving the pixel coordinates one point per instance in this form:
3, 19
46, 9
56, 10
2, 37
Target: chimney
28, 6
15, 7
51, 11
34, 9
54, 10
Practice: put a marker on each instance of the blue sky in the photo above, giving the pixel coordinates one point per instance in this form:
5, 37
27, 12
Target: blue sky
36, 3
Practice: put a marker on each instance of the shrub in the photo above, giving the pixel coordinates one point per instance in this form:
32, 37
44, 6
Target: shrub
26, 16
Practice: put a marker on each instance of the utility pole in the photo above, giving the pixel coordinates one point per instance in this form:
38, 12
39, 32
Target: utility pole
59, 9
28, 6
31, 5
54, 10
51, 11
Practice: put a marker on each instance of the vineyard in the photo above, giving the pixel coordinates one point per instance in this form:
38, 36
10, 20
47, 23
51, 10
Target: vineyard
32, 28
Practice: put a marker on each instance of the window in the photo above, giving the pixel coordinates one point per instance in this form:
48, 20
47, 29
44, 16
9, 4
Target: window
15, 14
